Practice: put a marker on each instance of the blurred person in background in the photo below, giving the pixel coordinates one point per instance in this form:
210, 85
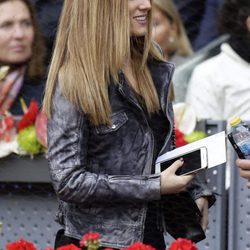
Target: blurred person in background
169, 32
219, 88
109, 117
244, 169
199, 19
48, 12
191, 12
208, 30
22, 52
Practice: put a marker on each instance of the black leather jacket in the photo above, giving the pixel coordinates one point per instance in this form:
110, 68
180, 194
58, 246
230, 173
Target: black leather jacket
102, 174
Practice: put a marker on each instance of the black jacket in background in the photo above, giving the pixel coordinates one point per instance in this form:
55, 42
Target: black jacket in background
31, 89
48, 13
191, 12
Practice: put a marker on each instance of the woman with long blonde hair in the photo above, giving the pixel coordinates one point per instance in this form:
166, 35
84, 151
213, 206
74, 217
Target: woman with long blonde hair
109, 117
169, 31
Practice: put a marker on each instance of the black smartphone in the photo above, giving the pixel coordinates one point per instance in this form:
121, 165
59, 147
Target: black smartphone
194, 161
235, 146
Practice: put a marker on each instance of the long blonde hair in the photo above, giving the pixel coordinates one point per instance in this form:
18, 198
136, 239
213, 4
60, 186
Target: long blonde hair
92, 44
182, 45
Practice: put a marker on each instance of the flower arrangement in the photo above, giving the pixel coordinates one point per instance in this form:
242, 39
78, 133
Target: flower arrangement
25, 135
20, 245
183, 244
91, 241
185, 123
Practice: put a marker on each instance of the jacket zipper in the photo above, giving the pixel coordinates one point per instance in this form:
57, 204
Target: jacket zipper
149, 166
167, 115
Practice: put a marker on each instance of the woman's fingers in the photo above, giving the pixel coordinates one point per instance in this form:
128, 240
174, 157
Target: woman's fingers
176, 165
172, 183
245, 173
243, 164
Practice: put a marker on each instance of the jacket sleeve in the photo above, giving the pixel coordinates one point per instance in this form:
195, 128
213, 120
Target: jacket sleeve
198, 188
67, 150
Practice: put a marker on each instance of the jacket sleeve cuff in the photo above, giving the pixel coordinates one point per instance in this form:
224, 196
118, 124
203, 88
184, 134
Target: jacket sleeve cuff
154, 183
210, 196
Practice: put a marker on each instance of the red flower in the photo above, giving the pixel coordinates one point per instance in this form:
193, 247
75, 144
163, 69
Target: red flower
41, 128
29, 117
69, 247
9, 122
7, 128
179, 138
183, 244
140, 246
90, 240
20, 245
91, 236
108, 248
48, 248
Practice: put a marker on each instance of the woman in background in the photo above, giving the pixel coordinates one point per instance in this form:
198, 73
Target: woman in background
22, 52
169, 32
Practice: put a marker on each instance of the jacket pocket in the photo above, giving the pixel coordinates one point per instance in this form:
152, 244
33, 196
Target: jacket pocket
118, 120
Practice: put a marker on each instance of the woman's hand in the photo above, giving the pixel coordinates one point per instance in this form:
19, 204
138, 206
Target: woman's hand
244, 166
202, 204
172, 183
